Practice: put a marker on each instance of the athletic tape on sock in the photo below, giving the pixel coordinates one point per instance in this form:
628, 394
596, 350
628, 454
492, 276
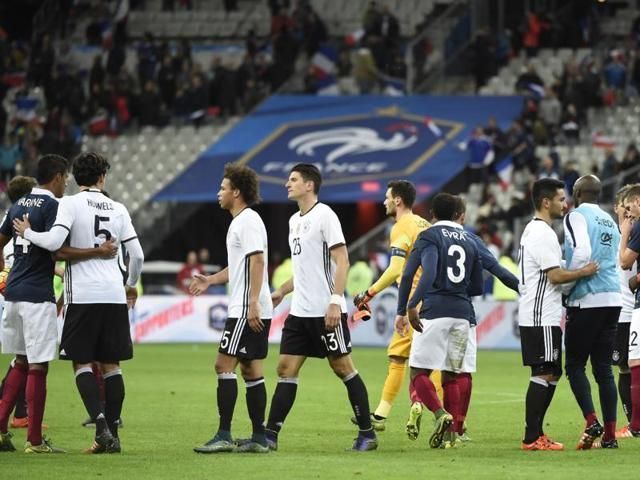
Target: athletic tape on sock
293, 380
350, 376
254, 382
82, 370
540, 381
227, 376
112, 373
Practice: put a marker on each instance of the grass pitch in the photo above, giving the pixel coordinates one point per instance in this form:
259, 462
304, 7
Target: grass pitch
170, 407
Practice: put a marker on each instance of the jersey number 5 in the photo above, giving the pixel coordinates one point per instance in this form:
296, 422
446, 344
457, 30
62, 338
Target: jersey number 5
101, 231
456, 251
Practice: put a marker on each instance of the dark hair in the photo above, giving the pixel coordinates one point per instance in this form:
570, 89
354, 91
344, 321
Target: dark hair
49, 166
462, 206
19, 186
445, 206
88, 167
545, 188
310, 173
403, 189
244, 179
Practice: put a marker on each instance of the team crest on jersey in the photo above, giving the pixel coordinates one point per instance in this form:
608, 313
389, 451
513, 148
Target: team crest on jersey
386, 143
556, 353
615, 356
306, 226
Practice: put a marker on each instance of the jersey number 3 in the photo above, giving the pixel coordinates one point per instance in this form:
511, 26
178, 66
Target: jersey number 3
456, 273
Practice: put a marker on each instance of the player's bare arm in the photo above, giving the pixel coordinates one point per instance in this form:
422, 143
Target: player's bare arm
107, 250
256, 270
278, 294
340, 256
627, 256
560, 275
633, 283
200, 283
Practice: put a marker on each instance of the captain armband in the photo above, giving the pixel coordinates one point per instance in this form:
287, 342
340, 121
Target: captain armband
398, 252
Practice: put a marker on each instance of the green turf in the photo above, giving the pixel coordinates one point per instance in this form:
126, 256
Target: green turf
170, 407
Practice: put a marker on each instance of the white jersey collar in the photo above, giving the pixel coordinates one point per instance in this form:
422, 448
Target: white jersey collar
42, 191
448, 223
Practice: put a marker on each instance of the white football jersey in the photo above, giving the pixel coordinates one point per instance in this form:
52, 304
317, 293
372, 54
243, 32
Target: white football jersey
628, 297
311, 238
247, 235
540, 301
92, 218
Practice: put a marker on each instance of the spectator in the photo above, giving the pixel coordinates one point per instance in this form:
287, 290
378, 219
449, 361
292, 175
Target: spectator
42, 61
630, 159
314, 33
365, 71
188, 270
571, 125
480, 156
282, 273
483, 59
533, 30
610, 165
285, 52
204, 257
371, 18
149, 105
570, 176
359, 277
116, 58
528, 77
615, 73
551, 110
10, 153
281, 21
497, 136
251, 43
197, 100
547, 169
97, 73
146, 59
167, 82
388, 27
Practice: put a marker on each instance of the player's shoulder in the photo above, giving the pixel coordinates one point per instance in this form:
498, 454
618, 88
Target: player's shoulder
248, 217
419, 222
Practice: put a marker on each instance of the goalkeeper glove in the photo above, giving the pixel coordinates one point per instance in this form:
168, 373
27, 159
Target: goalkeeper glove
363, 313
363, 298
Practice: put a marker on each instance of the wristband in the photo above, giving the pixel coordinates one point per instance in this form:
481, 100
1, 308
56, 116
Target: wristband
336, 299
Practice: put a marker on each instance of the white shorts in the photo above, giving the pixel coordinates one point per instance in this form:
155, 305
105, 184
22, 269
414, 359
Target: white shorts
470, 355
30, 329
634, 336
441, 345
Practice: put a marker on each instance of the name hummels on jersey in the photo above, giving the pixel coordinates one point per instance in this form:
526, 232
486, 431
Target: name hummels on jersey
100, 205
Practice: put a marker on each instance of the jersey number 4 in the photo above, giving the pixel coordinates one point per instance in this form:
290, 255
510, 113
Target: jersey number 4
457, 272
101, 231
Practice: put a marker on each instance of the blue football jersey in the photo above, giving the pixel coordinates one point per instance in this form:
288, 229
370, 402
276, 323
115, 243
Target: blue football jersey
31, 277
452, 272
